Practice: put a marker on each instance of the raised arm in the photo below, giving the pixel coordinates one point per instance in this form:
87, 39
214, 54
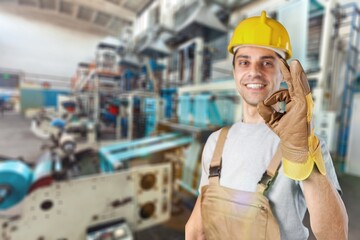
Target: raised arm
328, 217
302, 153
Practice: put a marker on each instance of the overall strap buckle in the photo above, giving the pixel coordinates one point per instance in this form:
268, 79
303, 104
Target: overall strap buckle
215, 171
267, 180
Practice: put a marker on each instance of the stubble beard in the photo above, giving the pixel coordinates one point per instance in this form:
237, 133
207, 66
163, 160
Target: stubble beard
253, 102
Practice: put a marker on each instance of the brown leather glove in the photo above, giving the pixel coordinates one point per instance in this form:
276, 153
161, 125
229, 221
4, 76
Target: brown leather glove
300, 147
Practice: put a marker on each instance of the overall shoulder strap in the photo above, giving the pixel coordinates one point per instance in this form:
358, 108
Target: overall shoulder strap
215, 164
271, 172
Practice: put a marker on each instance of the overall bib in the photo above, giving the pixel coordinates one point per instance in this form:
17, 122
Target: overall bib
233, 214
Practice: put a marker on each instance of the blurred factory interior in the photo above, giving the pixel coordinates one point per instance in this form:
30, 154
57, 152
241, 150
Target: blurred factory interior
107, 104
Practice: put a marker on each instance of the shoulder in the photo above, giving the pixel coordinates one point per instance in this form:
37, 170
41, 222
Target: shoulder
212, 140
214, 136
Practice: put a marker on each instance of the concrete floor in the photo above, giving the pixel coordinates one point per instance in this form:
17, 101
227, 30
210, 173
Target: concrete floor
16, 140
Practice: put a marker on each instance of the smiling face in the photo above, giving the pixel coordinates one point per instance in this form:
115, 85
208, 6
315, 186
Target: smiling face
257, 74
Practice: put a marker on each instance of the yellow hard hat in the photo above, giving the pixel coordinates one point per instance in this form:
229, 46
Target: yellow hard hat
261, 31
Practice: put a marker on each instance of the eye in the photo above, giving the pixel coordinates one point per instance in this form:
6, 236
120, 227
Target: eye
243, 63
267, 64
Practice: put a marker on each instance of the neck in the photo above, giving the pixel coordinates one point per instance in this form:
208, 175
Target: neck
251, 115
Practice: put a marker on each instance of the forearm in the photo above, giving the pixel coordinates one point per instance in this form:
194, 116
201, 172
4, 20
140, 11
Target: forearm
193, 227
328, 217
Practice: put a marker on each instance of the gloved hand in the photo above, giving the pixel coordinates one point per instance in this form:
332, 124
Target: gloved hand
299, 146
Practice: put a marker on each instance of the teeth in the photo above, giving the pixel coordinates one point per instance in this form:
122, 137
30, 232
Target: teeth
255, 85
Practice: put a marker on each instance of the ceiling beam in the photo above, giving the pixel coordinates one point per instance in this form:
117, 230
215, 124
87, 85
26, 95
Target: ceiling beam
108, 7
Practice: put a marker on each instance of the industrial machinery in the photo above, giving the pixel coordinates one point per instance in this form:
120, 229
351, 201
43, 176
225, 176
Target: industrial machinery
42, 123
138, 114
67, 196
116, 156
201, 110
107, 57
68, 118
125, 186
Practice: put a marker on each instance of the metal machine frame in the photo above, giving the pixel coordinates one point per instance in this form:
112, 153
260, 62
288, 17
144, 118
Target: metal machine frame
66, 209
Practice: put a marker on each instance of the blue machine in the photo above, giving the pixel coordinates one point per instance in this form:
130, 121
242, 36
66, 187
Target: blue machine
124, 127
129, 77
108, 117
200, 110
206, 111
185, 109
15, 181
150, 113
167, 95
114, 156
17, 178
59, 123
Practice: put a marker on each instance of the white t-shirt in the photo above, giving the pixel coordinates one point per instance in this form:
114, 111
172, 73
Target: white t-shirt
248, 150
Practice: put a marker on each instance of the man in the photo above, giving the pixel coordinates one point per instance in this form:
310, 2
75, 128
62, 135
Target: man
306, 178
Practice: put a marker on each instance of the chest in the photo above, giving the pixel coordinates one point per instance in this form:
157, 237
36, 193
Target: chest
245, 160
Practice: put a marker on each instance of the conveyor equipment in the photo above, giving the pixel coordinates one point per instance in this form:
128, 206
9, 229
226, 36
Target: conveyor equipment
115, 156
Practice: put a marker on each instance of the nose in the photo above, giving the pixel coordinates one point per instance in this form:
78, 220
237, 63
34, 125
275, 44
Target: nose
254, 71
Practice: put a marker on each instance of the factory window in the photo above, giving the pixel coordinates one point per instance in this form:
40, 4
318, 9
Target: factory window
9, 80
314, 41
